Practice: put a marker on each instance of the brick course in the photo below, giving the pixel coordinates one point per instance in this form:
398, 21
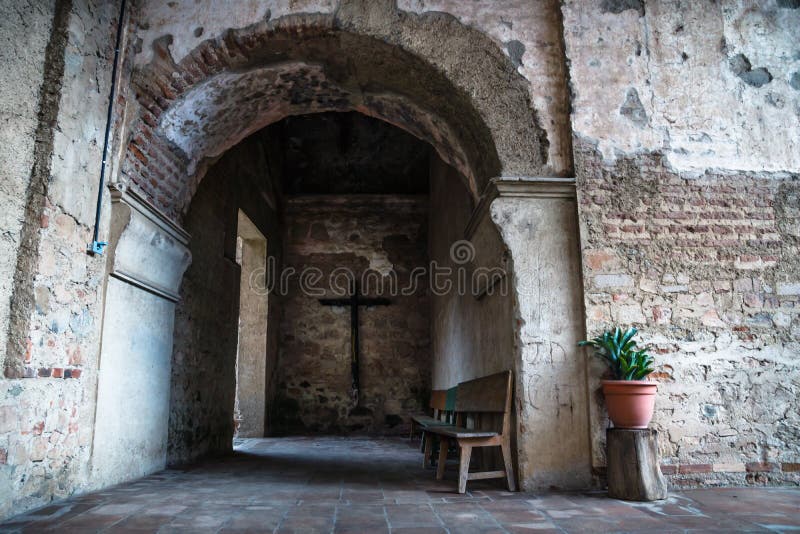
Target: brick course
705, 266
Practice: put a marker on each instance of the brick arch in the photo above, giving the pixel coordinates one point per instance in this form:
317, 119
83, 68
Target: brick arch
427, 74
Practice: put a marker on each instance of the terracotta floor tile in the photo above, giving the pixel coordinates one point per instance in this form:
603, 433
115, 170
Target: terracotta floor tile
335, 484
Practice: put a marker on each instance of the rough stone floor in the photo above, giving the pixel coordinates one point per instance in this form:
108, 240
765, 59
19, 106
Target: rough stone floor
377, 485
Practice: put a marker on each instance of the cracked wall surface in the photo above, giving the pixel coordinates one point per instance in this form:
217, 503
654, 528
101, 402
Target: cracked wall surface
713, 80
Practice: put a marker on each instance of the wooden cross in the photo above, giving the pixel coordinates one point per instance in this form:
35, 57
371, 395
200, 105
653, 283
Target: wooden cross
354, 301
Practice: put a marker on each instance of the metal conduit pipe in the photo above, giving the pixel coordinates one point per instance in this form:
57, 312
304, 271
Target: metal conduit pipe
97, 247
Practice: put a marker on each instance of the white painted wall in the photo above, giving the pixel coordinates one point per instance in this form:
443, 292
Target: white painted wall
148, 257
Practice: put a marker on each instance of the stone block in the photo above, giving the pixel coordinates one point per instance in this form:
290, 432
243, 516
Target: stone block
612, 280
728, 468
788, 288
8, 418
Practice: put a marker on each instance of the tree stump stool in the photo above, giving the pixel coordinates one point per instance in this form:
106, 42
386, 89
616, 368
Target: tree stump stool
633, 468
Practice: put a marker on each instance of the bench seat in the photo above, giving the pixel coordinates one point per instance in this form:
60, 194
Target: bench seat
426, 421
461, 432
482, 401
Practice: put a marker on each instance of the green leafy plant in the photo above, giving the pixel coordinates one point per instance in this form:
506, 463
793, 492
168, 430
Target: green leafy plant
619, 350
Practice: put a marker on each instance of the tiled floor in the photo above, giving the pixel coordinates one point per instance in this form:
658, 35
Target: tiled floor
372, 486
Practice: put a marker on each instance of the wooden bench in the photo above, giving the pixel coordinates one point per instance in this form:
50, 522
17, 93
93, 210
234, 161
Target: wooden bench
483, 419
442, 404
437, 405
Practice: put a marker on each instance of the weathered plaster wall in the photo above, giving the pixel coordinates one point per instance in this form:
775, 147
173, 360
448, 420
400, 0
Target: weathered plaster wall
708, 268
470, 337
47, 400
685, 116
540, 230
206, 321
711, 86
385, 236
20, 85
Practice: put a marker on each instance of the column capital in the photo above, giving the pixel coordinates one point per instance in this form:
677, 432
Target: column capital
519, 187
147, 249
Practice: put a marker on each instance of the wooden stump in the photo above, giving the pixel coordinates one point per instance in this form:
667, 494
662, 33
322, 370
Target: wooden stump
633, 471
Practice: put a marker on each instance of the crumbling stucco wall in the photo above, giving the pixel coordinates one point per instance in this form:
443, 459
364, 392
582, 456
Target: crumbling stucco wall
58, 72
378, 240
206, 320
20, 88
685, 117
710, 86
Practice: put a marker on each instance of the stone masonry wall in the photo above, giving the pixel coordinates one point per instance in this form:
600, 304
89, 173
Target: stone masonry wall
383, 234
708, 268
685, 122
55, 84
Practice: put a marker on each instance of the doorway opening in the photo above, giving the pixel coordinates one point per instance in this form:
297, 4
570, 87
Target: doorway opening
249, 414
347, 201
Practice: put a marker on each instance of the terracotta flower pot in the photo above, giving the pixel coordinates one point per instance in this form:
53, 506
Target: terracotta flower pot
630, 403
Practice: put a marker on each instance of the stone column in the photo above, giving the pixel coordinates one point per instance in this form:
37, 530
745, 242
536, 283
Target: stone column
148, 255
537, 218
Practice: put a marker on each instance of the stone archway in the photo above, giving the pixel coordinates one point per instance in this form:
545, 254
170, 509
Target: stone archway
463, 96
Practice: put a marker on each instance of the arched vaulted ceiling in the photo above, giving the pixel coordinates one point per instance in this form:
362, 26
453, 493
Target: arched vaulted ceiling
439, 80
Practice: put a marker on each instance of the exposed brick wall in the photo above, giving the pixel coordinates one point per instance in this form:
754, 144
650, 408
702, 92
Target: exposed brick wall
314, 385
690, 475
707, 267
154, 164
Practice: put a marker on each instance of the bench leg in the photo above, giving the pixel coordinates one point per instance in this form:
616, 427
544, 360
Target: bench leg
463, 467
505, 446
443, 446
427, 441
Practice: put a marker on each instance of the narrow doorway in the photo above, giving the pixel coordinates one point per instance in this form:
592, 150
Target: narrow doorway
251, 351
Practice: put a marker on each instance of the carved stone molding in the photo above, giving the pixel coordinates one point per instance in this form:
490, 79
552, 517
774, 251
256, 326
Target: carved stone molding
519, 186
147, 249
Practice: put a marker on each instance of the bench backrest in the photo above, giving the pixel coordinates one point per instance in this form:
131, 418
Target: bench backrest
443, 403
486, 394
485, 403
438, 399
450, 399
